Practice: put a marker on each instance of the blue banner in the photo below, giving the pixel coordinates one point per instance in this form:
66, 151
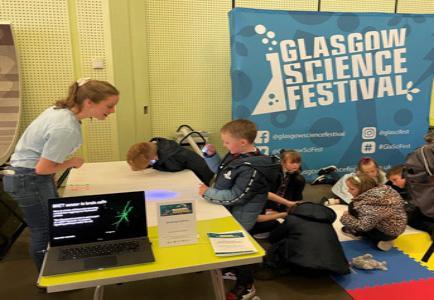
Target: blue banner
334, 86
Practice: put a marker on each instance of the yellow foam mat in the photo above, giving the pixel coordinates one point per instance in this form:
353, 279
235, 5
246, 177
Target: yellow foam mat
415, 246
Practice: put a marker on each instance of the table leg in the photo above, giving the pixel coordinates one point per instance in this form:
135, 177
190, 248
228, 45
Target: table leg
99, 292
217, 282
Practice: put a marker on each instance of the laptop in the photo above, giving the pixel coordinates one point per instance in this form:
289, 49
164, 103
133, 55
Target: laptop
97, 232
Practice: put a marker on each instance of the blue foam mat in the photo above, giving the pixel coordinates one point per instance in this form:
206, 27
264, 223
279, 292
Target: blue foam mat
400, 267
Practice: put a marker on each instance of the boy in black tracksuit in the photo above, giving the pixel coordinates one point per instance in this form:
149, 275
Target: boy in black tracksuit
167, 155
242, 184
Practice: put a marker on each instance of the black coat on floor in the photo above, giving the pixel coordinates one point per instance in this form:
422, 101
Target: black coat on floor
172, 157
307, 240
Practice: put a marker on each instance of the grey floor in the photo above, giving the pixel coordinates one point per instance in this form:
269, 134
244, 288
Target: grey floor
18, 277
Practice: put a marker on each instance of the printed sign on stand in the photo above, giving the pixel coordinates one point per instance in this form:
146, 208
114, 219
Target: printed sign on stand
176, 223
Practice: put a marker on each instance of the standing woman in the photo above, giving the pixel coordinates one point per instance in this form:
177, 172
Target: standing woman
42, 151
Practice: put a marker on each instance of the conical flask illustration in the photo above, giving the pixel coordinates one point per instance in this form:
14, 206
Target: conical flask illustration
273, 98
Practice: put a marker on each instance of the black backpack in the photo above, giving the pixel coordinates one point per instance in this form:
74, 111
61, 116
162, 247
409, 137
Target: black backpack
419, 175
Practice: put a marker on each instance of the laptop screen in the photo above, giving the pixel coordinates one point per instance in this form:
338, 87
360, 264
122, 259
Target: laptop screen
86, 219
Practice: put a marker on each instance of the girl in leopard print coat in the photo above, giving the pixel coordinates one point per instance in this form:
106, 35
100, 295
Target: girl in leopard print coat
376, 212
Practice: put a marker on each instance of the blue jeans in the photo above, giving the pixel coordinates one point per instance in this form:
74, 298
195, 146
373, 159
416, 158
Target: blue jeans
31, 192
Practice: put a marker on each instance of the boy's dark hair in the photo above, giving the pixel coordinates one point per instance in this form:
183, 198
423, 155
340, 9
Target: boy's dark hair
241, 129
396, 170
291, 155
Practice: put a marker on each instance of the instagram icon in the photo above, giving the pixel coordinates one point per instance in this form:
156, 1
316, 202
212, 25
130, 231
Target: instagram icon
369, 133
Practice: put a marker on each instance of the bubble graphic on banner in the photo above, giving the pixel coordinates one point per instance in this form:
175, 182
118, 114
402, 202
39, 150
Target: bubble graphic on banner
241, 85
274, 43
283, 119
265, 41
326, 127
241, 49
271, 34
403, 117
260, 29
242, 112
348, 22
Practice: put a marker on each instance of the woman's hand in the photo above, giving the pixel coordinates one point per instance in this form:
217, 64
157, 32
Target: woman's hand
75, 162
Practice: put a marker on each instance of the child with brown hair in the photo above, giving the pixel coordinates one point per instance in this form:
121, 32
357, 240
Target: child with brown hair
166, 155
416, 218
242, 184
375, 212
291, 183
366, 165
287, 191
396, 181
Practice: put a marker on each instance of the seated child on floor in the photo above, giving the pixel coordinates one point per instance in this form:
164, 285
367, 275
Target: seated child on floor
397, 182
166, 155
290, 184
285, 194
416, 218
375, 212
366, 166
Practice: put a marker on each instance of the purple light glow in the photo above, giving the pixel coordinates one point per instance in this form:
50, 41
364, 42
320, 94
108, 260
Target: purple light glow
157, 195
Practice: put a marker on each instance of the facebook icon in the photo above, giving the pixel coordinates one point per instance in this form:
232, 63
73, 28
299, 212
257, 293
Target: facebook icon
262, 137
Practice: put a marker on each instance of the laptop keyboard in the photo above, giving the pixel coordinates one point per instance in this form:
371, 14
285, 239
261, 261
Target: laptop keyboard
99, 250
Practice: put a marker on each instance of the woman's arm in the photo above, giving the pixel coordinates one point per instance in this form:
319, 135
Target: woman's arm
46, 166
